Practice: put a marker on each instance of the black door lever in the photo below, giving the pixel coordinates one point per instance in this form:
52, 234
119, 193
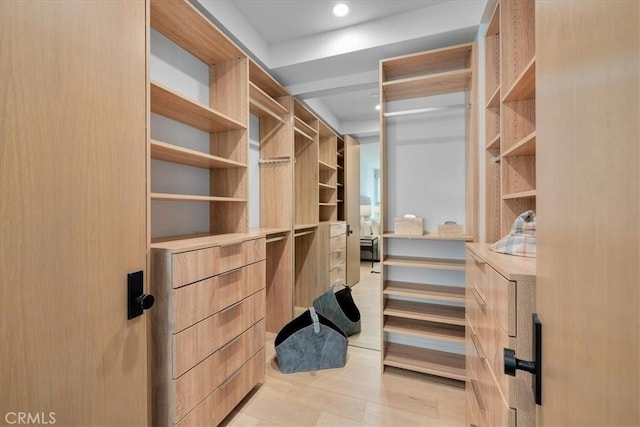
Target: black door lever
512, 363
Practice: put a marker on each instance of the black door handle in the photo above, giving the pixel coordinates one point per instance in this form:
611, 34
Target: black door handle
137, 300
512, 363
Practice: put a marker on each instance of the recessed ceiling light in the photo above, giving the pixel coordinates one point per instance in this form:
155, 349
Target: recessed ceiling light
340, 9
378, 107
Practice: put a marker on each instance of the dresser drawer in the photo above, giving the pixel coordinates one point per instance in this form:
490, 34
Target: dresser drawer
192, 266
216, 406
200, 300
337, 243
337, 229
255, 250
231, 256
475, 269
336, 258
337, 275
200, 340
502, 300
476, 411
196, 384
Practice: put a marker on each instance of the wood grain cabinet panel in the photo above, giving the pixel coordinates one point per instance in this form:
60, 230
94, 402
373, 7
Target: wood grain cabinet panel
189, 267
500, 297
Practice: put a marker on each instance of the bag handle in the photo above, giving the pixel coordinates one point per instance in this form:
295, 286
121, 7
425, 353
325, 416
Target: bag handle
316, 320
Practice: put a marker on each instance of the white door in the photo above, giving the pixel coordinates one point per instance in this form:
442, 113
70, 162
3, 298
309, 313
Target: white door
588, 158
72, 212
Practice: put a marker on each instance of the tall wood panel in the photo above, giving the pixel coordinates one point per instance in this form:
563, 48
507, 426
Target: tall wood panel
588, 104
73, 209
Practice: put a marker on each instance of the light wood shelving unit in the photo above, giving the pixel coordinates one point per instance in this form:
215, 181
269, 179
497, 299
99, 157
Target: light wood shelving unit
423, 311
510, 124
273, 105
327, 174
226, 119
340, 196
202, 370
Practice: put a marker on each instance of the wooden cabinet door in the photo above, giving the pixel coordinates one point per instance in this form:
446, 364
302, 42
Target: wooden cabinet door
73, 211
352, 207
588, 154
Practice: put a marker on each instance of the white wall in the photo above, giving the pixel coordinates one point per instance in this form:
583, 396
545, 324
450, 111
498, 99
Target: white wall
175, 68
426, 163
254, 171
369, 161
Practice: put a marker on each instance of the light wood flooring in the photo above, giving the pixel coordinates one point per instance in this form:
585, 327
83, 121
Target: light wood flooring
355, 395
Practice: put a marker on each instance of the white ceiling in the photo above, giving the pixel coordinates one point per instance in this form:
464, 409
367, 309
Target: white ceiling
332, 63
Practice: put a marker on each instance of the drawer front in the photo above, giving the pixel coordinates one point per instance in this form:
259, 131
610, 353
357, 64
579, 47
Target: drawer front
475, 268
196, 384
476, 412
199, 341
337, 243
219, 404
336, 258
231, 256
255, 250
499, 413
475, 353
200, 300
337, 229
192, 266
337, 275
502, 300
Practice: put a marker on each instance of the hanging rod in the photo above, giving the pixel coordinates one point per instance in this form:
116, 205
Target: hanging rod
304, 233
267, 110
275, 239
427, 110
283, 159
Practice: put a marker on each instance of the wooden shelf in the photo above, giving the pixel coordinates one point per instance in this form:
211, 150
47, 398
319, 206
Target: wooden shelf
175, 154
298, 227
270, 231
521, 195
452, 315
424, 290
326, 186
264, 105
494, 145
422, 329
434, 362
525, 85
429, 236
304, 126
324, 165
494, 100
432, 62
259, 77
429, 85
324, 205
192, 198
525, 147
170, 104
430, 263
187, 27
